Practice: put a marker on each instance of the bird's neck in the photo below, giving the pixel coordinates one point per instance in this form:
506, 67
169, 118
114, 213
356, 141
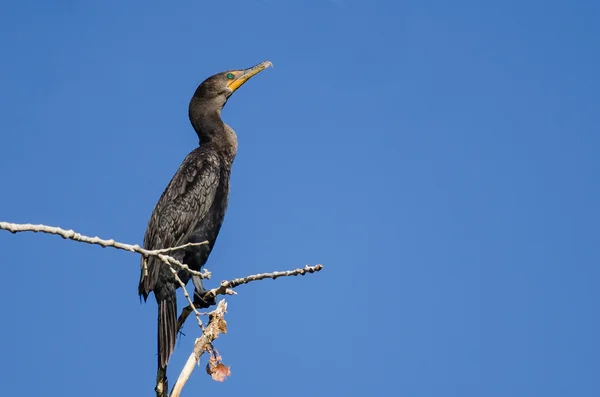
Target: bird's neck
214, 133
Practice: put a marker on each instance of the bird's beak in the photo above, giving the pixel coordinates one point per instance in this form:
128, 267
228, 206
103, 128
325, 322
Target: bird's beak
241, 76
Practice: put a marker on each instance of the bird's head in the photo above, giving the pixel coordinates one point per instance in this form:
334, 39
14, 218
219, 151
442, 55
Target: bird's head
215, 90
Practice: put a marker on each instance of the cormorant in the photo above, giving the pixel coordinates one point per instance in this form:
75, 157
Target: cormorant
193, 205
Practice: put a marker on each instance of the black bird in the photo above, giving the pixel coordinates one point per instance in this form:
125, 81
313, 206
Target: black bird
192, 207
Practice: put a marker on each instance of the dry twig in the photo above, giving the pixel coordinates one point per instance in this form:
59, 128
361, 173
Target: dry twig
216, 326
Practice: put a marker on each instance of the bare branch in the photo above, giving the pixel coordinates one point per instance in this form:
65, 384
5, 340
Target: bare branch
225, 287
216, 326
72, 235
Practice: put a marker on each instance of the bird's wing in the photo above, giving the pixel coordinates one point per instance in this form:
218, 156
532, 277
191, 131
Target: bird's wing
185, 201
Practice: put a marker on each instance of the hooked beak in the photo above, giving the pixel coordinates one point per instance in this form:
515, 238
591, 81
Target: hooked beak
241, 76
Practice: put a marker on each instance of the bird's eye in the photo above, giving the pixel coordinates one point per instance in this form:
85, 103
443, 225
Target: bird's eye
229, 75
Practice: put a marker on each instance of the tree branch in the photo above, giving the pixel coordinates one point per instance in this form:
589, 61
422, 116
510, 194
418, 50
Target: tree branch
72, 235
226, 286
216, 324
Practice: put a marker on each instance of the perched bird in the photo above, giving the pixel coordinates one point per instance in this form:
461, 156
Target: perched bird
193, 205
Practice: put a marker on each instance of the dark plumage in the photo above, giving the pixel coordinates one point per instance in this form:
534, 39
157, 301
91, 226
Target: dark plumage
192, 207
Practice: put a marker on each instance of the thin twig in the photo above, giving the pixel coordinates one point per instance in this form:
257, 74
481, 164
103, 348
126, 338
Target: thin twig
72, 235
187, 296
184, 246
226, 286
215, 326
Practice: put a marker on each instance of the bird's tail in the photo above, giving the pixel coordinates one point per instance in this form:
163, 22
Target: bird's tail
167, 329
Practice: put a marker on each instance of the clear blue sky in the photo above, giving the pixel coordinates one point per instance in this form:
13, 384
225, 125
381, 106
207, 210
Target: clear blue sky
439, 158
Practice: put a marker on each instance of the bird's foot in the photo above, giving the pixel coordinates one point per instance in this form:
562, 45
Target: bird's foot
202, 300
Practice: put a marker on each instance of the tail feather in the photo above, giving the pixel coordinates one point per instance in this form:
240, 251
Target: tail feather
167, 330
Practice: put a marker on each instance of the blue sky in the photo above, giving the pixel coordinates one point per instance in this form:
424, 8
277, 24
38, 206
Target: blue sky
439, 158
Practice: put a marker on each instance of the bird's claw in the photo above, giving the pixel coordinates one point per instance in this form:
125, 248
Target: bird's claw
203, 301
